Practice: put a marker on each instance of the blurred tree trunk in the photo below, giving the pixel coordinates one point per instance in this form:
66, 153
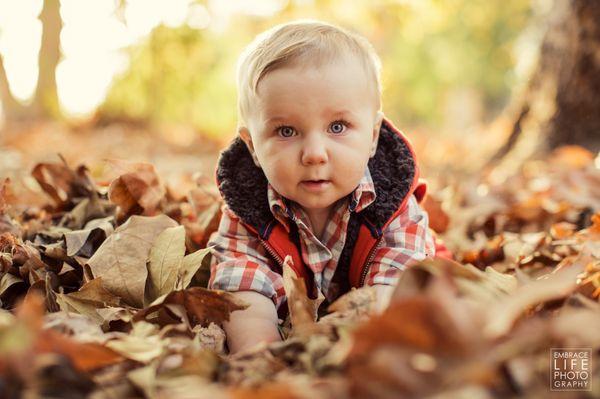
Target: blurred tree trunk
561, 104
45, 101
11, 107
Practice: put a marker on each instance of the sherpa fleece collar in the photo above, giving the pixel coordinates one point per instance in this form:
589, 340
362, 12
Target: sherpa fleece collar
243, 185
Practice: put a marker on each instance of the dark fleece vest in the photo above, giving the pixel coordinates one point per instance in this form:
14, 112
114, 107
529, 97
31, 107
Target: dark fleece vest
395, 174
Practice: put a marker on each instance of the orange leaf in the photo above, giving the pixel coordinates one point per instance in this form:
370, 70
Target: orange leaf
85, 356
438, 219
595, 228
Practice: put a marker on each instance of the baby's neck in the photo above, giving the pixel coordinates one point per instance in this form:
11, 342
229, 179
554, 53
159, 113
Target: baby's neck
319, 218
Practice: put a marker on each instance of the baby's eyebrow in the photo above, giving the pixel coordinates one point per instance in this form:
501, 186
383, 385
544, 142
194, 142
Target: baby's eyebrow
338, 113
276, 119
328, 113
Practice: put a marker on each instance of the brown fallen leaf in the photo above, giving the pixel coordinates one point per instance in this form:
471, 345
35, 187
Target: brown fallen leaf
94, 292
415, 322
143, 344
85, 356
206, 206
558, 285
191, 264
438, 218
165, 260
303, 310
357, 300
86, 241
62, 183
4, 194
202, 306
138, 190
121, 259
90, 297
6, 282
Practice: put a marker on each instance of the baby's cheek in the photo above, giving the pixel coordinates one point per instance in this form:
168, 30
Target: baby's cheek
353, 171
281, 177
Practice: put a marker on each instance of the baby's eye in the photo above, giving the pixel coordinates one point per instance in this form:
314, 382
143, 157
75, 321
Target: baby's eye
337, 127
286, 131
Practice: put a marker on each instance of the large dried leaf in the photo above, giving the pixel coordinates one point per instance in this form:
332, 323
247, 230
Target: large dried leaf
121, 259
166, 257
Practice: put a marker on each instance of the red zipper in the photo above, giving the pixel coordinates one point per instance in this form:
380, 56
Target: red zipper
370, 258
272, 253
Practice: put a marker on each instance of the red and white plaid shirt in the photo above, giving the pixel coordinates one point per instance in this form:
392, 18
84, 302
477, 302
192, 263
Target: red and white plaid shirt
241, 263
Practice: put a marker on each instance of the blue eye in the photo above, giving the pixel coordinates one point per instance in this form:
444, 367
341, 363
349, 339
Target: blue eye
337, 127
285, 131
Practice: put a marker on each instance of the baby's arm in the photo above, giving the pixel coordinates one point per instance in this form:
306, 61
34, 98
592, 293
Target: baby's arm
406, 240
241, 265
258, 323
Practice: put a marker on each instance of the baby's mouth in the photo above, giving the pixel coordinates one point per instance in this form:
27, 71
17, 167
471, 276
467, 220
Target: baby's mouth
315, 185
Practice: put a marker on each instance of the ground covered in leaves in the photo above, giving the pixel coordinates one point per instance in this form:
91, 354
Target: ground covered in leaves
103, 296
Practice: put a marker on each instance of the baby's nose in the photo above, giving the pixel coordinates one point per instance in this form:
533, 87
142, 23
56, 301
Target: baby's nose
314, 153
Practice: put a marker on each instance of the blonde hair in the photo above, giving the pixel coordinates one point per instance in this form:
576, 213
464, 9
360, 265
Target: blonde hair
299, 42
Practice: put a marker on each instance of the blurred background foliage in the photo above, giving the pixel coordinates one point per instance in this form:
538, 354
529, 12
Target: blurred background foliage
447, 65
440, 59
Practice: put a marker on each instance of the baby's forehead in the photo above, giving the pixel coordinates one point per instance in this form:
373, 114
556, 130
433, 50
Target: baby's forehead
339, 84
313, 62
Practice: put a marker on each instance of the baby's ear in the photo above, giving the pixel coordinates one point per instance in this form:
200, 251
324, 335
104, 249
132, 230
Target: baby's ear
376, 127
247, 138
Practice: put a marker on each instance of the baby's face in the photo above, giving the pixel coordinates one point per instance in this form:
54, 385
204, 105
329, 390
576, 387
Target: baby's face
313, 130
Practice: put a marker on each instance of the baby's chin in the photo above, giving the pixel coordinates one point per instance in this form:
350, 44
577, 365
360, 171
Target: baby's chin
318, 202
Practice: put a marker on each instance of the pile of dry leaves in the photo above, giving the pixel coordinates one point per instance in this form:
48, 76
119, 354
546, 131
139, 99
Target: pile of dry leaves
103, 296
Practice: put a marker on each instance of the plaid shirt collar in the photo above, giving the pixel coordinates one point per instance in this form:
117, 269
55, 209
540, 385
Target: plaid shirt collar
282, 208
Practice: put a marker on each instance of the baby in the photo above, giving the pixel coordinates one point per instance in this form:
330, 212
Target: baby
316, 173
